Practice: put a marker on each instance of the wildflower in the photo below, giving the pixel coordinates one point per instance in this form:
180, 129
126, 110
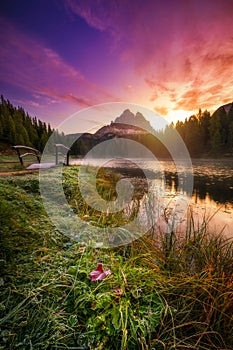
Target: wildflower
81, 249
99, 274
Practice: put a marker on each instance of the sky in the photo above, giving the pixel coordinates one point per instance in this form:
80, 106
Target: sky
58, 57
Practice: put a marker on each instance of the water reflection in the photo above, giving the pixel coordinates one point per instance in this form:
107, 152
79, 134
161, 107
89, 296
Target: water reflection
212, 190
218, 189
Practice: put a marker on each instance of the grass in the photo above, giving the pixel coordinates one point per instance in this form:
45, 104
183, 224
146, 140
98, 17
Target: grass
162, 293
9, 163
12, 163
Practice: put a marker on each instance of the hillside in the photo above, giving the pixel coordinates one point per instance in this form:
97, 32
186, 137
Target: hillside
17, 127
204, 135
127, 125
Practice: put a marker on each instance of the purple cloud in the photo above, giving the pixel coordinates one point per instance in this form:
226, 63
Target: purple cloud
28, 64
170, 43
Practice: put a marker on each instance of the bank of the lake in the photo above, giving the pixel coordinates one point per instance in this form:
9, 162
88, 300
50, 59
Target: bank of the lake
210, 196
161, 294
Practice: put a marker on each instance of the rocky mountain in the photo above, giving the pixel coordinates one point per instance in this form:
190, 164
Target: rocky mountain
203, 134
126, 124
138, 120
227, 107
129, 125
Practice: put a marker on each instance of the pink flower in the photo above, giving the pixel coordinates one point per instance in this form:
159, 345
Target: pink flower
99, 274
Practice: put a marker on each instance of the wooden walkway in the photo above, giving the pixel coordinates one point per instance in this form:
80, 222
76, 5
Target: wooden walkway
40, 166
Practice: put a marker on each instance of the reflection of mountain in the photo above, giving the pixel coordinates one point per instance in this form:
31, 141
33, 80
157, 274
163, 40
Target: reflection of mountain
126, 126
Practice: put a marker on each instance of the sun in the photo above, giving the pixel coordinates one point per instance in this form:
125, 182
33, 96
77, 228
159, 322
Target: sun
175, 115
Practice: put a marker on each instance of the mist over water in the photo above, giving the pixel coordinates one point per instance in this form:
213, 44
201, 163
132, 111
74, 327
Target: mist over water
212, 191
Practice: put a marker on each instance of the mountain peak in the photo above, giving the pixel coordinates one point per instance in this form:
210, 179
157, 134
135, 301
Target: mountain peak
126, 117
138, 120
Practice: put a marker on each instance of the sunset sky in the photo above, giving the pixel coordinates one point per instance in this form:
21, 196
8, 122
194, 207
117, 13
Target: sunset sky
60, 56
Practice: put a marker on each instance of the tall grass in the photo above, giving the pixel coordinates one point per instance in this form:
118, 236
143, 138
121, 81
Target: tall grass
164, 292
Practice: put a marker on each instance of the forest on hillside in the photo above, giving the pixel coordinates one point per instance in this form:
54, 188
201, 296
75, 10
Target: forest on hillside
208, 134
203, 134
18, 128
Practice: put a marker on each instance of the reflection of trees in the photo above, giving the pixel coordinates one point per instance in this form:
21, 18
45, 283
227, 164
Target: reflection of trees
218, 189
171, 180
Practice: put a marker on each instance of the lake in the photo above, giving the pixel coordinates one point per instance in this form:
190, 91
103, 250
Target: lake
212, 193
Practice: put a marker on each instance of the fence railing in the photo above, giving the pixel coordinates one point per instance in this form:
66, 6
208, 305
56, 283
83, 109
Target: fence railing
24, 151
29, 152
58, 148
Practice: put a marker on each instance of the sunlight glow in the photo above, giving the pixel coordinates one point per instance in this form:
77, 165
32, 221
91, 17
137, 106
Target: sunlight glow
180, 115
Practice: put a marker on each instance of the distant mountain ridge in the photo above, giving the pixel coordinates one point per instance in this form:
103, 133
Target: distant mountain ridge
203, 134
127, 123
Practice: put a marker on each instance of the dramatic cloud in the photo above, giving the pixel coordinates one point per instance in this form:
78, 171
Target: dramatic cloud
170, 56
40, 70
173, 43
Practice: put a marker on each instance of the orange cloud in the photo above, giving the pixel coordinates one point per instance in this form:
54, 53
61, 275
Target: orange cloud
161, 110
188, 45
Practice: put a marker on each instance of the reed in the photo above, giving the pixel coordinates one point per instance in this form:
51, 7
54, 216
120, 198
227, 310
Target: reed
164, 292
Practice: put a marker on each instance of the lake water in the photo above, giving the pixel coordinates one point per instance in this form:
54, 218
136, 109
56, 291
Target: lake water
212, 192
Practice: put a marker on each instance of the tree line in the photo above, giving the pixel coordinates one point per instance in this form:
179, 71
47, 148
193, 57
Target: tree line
203, 133
18, 128
208, 134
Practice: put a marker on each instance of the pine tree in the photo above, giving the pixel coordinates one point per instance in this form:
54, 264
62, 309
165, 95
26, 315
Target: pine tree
204, 121
17, 127
215, 134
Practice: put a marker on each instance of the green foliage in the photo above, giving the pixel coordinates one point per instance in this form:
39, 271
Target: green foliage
17, 127
111, 321
204, 134
163, 292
